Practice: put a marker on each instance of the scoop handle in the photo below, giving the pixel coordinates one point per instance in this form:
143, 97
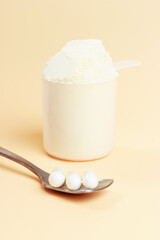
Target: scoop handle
125, 64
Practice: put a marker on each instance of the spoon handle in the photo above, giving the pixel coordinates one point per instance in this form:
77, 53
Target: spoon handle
12, 156
125, 64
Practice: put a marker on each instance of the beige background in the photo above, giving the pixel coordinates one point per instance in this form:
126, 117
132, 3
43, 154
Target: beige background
31, 32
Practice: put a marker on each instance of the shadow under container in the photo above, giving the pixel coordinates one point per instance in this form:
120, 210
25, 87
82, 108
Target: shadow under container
79, 119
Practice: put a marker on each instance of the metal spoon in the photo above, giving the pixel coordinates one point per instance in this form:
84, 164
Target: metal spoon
103, 183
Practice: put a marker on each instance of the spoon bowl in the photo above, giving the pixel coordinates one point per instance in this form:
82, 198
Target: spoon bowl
102, 184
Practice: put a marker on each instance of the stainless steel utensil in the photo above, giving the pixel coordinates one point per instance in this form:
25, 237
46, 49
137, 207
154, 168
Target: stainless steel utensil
103, 183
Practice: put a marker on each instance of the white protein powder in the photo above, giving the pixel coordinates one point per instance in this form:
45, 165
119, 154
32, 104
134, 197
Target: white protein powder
80, 62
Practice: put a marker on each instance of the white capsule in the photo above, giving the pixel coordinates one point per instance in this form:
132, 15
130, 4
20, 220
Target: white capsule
57, 177
60, 169
73, 181
90, 180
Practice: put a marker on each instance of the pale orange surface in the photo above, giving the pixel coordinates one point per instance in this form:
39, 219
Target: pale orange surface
31, 32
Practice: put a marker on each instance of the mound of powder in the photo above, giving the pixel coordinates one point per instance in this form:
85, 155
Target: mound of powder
80, 62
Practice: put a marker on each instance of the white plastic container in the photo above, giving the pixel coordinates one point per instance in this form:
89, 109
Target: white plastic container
78, 120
